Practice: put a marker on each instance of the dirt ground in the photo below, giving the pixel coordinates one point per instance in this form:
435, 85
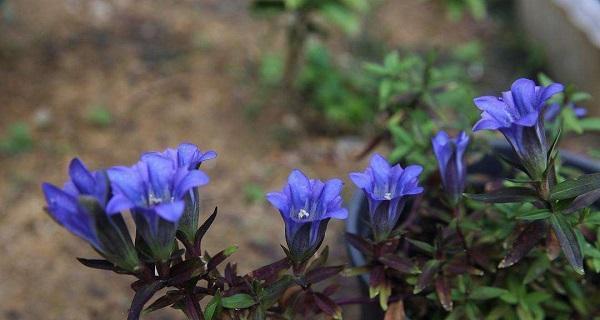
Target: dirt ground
167, 71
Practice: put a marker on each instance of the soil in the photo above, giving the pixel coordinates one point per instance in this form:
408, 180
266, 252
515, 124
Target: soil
166, 71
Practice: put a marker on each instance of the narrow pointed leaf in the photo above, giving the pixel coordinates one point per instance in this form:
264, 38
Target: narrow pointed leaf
238, 301
395, 311
422, 245
506, 195
213, 308
486, 293
575, 187
442, 289
271, 270
538, 214
220, 257
399, 263
323, 273
141, 297
583, 201
327, 305
527, 240
163, 302
426, 276
203, 229
568, 242
359, 243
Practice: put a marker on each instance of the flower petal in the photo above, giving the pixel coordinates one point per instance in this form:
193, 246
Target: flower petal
128, 182
524, 96
279, 200
118, 203
193, 178
160, 173
361, 180
547, 92
170, 211
81, 177
299, 186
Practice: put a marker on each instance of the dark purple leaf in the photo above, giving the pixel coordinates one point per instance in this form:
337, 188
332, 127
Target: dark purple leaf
271, 270
142, 296
360, 243
377, 276
398, 263
323, 273
186, 270
320, 260
203, 229
97, 264
443, 292
395, 311
273, 292
168, 299
583, 201
527, 240
426, 276
327, 305
220, 257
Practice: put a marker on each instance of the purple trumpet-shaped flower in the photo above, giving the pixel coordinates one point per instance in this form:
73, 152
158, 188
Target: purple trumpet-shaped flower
80, 207
189, 156
154, 190
387, 188
451, 162
306, 205
518, 114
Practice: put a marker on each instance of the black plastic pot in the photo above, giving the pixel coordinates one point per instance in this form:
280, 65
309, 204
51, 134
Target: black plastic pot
489, 165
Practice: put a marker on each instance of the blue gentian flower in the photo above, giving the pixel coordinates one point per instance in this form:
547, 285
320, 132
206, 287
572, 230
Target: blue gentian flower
154, 191
306, 205
553, 110
387, 188
518, 114
79, 207
189, 156
451, 162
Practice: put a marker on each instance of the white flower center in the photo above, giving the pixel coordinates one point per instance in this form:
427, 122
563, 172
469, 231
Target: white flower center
152, 200
303, 214
387, 196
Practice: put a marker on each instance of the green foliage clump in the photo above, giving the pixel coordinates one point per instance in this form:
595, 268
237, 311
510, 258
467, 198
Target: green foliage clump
338, 94
17, 140
421, 94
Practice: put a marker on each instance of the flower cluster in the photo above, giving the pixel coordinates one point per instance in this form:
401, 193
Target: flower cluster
160, 191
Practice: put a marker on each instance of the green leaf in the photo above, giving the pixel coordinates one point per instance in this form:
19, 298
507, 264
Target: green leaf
506, 195
590, 124
537, 214
213, 308
580, 96
574, 187
570, 121
486, 293
568, 242
238, 301
422, 245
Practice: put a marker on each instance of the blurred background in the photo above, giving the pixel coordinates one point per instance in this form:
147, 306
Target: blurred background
270, 85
